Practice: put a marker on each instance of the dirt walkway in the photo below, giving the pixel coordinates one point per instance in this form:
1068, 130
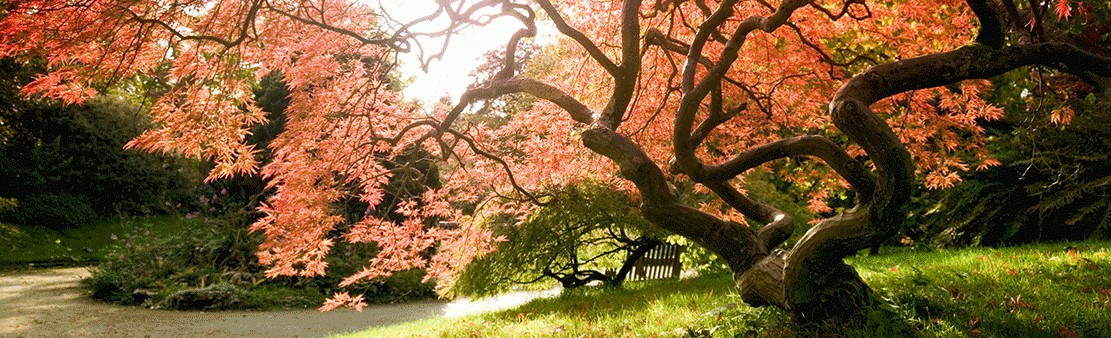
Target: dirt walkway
52, 303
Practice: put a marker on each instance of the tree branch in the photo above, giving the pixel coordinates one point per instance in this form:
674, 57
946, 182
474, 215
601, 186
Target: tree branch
813, 145
492, 89
248, 21
778, 225
579, 37
694, 54
393, 42
628, 73
695, 94
991, 27
663, 208
879, 218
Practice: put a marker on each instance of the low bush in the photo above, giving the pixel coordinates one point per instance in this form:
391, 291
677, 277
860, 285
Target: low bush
177, 270
145, 270
214, 297
53, 210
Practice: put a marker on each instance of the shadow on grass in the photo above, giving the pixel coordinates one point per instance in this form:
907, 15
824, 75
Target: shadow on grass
600, 302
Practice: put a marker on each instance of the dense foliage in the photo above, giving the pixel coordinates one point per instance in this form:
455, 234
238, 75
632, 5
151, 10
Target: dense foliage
65, 165
1053, 186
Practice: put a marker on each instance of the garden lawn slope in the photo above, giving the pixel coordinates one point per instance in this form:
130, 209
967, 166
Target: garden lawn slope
1044, 290
34, 245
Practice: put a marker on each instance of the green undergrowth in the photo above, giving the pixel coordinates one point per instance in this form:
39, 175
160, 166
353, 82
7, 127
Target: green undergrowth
210, 264
28, 246
1043, 290
174, 262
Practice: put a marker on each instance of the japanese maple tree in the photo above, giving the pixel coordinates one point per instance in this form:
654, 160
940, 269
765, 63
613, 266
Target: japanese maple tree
649, 96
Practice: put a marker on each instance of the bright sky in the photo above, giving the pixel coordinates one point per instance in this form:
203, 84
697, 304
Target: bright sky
449, 75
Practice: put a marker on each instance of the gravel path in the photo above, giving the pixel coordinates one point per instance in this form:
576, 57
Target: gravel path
52, 303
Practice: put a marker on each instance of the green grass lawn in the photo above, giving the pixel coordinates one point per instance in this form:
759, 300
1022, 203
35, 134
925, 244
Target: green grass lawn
642, 309
22, 246
1045, 290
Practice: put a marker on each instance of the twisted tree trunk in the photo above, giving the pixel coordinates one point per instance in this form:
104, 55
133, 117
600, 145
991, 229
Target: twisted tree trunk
816, 285
811, 280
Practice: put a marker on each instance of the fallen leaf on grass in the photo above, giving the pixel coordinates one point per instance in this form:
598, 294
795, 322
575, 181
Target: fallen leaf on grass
1066, 332
1016, 302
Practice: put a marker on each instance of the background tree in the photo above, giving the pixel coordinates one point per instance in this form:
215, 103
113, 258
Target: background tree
667, 91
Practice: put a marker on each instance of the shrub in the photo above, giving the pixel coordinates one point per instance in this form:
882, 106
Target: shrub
48, 147
214, 297
199, 255
53, 210
8, 204
179, 270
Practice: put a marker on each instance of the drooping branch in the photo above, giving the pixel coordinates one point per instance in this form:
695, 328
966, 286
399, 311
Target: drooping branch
397, 43
473, 145
404, 34
844, 10
493, 89
248, 21
968, 62
500, 87
824, 56
778, 225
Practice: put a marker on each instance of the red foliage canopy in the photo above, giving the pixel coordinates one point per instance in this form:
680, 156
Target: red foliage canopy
703, 89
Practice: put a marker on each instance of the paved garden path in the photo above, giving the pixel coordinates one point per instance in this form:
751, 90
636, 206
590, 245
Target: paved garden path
52, 303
